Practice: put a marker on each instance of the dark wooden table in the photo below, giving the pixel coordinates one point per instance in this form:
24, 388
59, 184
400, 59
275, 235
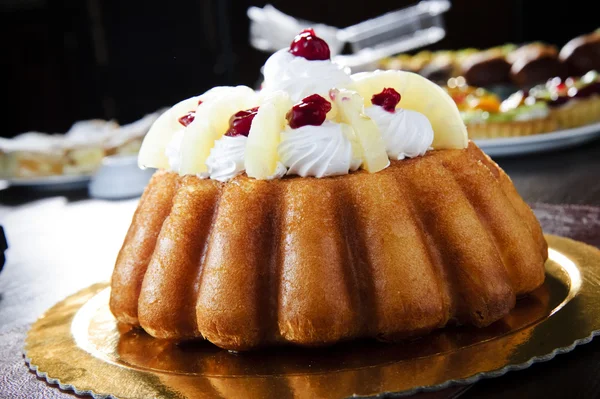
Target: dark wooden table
60, 243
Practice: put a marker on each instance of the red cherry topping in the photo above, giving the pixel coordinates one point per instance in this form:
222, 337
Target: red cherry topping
312, 110
308, 45
387, 99
240, 122
199, 102
187, 118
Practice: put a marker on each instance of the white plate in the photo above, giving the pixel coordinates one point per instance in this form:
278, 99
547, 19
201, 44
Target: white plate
539, 142
61, 182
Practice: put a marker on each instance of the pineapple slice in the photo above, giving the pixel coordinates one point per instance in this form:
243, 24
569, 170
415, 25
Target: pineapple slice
152, 152
210, 124
261, 147
421, 95
350, 109
357, 151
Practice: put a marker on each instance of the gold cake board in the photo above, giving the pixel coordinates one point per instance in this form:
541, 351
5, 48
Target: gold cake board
78, 345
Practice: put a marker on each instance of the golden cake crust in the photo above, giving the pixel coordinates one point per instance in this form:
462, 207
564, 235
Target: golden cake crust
310, 261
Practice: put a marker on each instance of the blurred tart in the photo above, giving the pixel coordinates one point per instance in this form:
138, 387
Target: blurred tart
31, 155
84, 145
486, 116
573, 102
80, 151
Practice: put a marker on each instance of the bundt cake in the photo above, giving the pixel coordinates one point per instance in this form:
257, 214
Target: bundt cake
311, 213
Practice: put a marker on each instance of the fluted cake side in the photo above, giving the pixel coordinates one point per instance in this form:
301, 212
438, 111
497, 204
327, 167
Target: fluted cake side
313, 261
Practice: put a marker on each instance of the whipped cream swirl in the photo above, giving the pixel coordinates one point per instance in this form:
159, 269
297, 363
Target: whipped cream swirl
226, 159
300, 77
317, 151
406, 133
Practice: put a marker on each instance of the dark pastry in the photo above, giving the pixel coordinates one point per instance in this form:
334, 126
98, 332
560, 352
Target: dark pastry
582, 54
535, 63
486, 69
526, 51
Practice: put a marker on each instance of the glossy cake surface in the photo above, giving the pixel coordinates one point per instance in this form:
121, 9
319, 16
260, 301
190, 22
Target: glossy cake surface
308, 261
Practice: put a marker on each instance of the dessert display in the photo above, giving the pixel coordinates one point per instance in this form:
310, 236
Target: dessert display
573, 102
511, 91
478, 67
78, 152
31, 154
83, 145
556, 104
515, 66
486, 116
507, 65
324, 208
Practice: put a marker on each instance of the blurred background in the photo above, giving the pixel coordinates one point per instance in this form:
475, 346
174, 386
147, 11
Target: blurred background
65, 61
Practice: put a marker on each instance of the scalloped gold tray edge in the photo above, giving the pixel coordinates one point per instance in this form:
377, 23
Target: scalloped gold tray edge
53, 352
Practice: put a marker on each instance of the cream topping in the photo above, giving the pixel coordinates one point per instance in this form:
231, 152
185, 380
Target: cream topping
226, 159
340, 145
317, 151
406, 133
300, 77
